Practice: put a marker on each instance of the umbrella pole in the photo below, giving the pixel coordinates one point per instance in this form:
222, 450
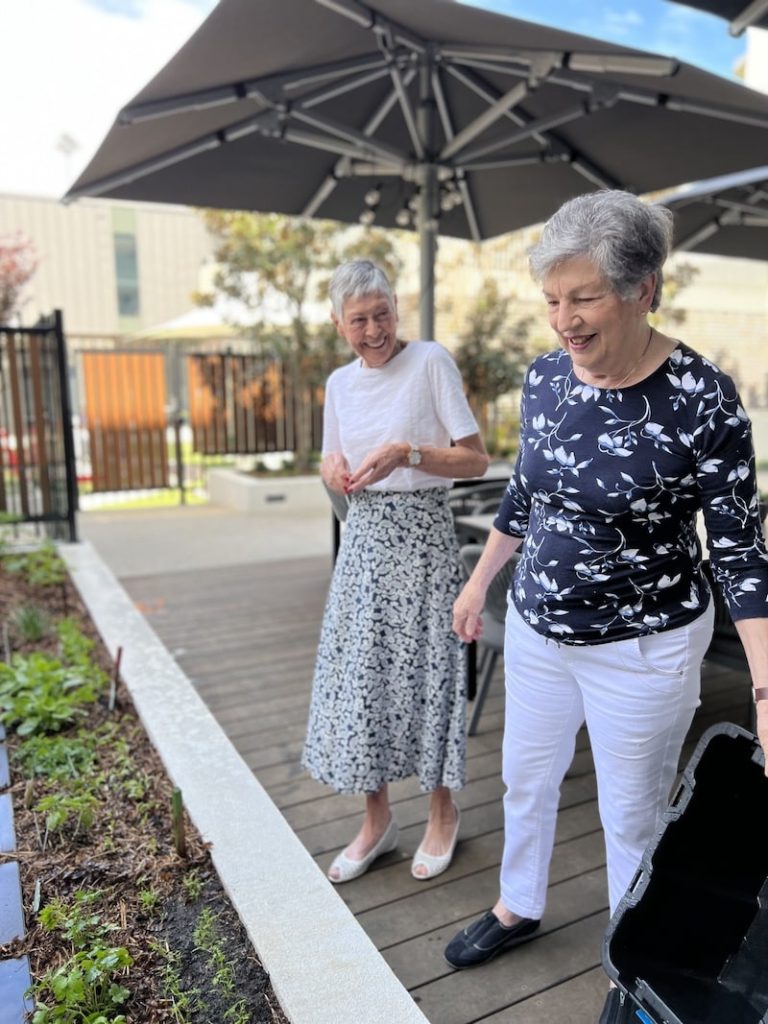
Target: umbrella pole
428, 204
428, 252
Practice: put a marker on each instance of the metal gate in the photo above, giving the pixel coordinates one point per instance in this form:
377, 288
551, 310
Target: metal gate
246, 404
126, 419
37, 460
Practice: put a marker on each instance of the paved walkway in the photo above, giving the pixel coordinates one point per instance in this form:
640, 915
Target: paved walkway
148, 542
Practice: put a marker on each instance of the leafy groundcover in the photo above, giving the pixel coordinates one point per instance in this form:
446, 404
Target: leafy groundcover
127, 922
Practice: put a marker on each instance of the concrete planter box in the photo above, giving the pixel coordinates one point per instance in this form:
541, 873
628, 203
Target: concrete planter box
255, 495
324, 968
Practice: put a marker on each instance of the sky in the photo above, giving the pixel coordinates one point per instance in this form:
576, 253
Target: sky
69, 66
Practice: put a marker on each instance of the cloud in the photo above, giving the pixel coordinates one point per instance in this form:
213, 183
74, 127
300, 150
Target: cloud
68, 67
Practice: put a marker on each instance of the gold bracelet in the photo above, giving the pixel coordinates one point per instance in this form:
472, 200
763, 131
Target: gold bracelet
761, 693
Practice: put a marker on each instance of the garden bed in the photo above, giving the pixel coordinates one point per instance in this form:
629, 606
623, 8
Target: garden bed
112, 881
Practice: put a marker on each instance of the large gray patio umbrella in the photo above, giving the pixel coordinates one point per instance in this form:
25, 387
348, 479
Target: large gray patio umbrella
740, 14
478, 122
726, 216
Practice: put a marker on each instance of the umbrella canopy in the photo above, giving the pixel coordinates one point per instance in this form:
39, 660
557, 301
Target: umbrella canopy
740, 13
725, 216
477, 123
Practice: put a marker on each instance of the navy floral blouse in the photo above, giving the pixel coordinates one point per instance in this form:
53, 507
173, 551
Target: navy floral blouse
606, 491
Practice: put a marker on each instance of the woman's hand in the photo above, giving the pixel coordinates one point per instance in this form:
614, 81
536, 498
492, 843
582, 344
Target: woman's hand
334, 470
467, 612
378, 464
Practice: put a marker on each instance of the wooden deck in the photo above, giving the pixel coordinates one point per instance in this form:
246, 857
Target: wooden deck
246, 637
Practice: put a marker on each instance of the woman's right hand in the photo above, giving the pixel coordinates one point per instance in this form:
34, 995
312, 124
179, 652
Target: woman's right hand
467, 612
334, 470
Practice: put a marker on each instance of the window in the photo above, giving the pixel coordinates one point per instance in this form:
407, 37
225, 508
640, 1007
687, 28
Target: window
126, 263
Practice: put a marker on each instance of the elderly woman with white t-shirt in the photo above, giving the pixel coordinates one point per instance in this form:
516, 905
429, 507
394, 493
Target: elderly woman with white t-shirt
388, 699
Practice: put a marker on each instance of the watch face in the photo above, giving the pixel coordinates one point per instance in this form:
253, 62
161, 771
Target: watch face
414, 457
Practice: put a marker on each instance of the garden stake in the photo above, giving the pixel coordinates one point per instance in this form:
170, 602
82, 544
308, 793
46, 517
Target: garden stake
6, 644
36, 897
113, 683
177, 818
29, 794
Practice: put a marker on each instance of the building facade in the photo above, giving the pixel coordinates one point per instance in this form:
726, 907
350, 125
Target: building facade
113, 268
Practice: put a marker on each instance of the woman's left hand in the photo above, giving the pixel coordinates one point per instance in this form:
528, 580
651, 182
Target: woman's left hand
377, 464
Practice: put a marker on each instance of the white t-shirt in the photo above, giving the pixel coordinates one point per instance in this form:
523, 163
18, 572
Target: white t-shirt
416, 397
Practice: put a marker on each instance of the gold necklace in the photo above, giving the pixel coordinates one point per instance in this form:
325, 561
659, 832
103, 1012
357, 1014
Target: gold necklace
615, 387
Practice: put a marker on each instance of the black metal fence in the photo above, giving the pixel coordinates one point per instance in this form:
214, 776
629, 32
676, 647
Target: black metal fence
37, 460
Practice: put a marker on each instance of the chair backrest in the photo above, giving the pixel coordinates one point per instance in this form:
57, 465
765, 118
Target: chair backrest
466, 499
496, 596
340, 502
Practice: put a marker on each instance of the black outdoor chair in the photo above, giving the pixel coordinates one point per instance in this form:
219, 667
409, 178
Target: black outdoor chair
471, 497
492, 641
340, 505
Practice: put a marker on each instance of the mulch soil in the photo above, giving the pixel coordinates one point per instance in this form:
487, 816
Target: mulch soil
152, 896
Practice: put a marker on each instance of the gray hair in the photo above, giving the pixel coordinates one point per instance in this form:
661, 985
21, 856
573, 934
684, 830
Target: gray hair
624, 237
355, 279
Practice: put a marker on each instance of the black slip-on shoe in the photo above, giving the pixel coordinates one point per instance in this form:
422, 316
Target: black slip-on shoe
485, 938
618, 1009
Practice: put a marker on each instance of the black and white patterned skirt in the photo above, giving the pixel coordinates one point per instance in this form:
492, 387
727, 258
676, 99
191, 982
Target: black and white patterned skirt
389, 692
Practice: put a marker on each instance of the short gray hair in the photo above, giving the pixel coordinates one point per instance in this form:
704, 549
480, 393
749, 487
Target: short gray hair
624, 237
355, 279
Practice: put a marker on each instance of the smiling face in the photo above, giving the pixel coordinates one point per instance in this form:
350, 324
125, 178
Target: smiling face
603, 333
369, 324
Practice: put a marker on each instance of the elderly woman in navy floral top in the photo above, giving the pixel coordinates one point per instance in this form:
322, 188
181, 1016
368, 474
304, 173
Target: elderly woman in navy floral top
626, 434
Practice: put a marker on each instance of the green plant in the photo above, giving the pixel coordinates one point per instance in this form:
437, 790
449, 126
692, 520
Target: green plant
208, 939
77, 650
84, 989
183, 1002
42, 567
40, 694
192, 884
30, 622
75, 810
148, 900
56, 757
78, 922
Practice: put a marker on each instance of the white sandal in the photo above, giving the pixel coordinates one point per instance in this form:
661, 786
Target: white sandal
349, 868
435, 865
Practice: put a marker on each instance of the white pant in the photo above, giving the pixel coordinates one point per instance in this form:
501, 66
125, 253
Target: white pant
638, 697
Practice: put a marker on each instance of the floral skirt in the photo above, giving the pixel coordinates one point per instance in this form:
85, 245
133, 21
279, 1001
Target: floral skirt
389, 692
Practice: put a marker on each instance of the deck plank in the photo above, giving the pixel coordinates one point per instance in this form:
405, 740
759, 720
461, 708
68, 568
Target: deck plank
246, 636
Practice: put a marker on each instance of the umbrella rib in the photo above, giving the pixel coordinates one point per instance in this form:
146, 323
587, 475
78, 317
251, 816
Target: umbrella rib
535, 127
145, 167
644, 97
736, 207
330, 183
333, 128
367, 18
593, 63
748, 17
323, 95
235, 92
447, 123
525, 161
699, 235
549, 139
488, 117
405, 105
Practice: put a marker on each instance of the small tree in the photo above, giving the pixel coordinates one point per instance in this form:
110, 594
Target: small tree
492, 355
266, 255
17, 265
